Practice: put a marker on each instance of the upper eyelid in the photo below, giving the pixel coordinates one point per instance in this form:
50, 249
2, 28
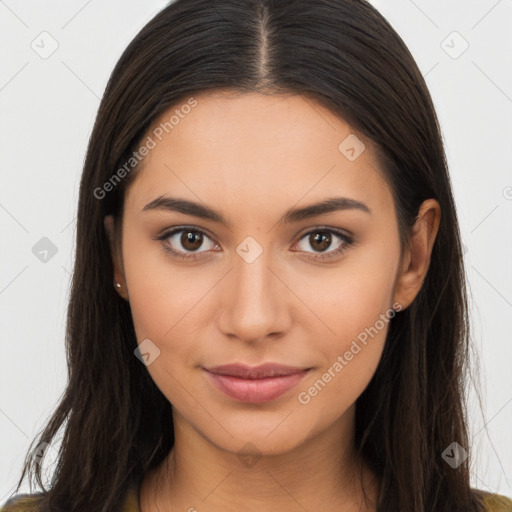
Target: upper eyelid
172, 231
337, 231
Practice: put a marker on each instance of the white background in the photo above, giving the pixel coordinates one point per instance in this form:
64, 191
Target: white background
47, 111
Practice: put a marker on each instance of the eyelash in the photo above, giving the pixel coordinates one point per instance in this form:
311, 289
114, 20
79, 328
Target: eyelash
347, 241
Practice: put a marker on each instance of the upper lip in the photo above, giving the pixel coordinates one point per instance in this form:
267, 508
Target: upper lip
255, 372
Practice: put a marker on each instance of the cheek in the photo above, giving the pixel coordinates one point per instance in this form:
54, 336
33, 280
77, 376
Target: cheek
164, 310
349, 356
351, 297
164, 299
354, 302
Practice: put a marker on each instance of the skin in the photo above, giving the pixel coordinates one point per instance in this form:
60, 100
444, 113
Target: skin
252, 157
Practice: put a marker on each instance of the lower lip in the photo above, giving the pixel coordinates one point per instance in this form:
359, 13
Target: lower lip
255, 391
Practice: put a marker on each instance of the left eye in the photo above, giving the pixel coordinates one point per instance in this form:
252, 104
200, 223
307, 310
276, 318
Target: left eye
322, 239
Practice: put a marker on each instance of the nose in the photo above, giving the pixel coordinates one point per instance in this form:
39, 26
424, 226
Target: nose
254, 301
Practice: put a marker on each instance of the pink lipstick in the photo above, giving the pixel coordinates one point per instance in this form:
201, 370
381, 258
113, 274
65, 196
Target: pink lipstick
258, 384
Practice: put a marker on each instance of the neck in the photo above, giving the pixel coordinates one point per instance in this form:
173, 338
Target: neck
323, 473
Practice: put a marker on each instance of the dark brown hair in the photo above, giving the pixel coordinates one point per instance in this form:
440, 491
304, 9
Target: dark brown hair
343, 54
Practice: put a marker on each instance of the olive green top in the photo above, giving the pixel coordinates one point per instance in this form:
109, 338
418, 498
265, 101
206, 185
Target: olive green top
28, 502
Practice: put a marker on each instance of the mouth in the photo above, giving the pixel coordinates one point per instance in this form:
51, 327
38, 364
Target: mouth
255, 384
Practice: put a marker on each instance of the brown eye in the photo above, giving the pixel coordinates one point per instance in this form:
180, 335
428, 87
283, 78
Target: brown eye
321, 240
191, 240
187, 242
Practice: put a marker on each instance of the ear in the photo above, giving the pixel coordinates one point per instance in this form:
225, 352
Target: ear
117, 261
416, 258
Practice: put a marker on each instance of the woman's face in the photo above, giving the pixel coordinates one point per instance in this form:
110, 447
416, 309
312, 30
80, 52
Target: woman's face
308, 291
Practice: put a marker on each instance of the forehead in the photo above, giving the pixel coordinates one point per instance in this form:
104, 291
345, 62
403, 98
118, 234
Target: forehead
257, 145
257, 121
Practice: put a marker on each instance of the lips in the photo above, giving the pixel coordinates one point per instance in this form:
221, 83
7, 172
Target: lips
257, 384
255, 372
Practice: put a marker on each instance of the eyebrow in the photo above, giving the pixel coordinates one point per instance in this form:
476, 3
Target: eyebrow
293, 215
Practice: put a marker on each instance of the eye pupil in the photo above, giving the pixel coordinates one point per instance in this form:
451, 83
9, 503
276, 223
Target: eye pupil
189, 237
323, 238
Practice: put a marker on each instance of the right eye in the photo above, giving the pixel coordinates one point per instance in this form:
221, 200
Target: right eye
189, 238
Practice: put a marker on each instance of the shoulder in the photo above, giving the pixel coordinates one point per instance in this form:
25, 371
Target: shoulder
496, 502
23, 503
32, 502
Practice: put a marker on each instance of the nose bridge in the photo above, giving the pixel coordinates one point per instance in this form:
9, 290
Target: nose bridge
254, 305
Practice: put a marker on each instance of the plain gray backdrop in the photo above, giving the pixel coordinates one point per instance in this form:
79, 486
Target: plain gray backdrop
56, 58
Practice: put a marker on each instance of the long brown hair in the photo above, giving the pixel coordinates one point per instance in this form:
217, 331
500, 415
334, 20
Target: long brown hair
116, 423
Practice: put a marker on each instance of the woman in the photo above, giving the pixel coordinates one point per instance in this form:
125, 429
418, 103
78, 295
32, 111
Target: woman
268, 307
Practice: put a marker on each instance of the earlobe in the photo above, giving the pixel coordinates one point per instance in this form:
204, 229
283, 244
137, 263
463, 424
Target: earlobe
118, 278
416, 259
